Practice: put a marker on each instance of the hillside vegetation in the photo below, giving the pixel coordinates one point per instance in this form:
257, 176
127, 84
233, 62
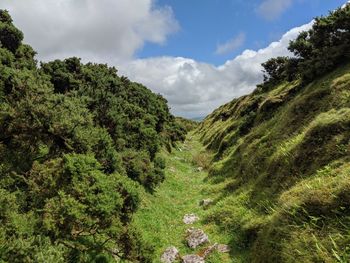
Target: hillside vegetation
89, 173
283, 153
78, 144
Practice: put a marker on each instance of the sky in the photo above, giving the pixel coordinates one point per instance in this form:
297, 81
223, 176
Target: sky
199, 54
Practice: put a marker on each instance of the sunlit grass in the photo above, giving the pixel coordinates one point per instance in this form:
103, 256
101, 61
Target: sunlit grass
161, 214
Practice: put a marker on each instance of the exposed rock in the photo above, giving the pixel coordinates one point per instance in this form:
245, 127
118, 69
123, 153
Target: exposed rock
170, 255
223, 248
205, 202
192, 259
189, 230
196, 237
207, 251
190, 219
199, 169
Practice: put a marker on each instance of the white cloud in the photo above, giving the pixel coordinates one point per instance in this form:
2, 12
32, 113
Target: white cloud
344, 5
194, 88
96, 30
272, 9
231, 45
111, 31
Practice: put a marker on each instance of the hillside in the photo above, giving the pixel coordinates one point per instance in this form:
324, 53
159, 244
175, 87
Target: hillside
281, 154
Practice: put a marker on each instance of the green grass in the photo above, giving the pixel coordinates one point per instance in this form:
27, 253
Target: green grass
278, 173
160, 216
284, 177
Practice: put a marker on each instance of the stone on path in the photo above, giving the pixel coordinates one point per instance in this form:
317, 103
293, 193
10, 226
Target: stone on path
196, 237
223, 248
170, 255
199, 169
192, 259
206, 202
190, 219
208, 250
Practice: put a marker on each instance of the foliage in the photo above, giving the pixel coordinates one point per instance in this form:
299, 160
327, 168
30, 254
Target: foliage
316, 51
189, 125
78, 144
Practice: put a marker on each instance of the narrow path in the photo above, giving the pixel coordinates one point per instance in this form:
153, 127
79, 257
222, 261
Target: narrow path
160, 216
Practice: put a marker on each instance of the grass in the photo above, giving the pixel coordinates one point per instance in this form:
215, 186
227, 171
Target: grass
278, 175
284, 180
160, 216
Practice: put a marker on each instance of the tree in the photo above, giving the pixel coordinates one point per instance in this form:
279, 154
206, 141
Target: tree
10, 36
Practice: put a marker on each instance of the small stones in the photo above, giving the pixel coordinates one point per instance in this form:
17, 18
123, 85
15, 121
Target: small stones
199, 169
208, 250
223, 248
192, 259
190, 219
205, 202
170, 255
196, 237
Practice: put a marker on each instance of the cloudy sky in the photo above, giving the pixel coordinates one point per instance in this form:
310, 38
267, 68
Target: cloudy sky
198, 54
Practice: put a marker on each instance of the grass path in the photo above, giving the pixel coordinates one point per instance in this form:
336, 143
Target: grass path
160, 216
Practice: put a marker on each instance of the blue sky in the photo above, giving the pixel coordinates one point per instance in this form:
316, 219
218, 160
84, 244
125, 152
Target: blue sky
204, 24
198, 54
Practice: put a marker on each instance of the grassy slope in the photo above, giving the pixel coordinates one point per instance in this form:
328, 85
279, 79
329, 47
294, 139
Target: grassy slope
160, 217
283, 159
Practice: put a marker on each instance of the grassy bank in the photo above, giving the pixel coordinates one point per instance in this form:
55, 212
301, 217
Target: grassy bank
284, 155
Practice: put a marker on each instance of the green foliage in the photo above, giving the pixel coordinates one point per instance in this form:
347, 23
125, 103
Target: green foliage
274, 68
77, 145
189, 125
317, 51
10, 36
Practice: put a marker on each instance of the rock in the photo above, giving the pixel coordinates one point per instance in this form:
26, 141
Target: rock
189, 230
207, 251
206, 202
196, 237
223, 248
199, 169
192, 259
190, 219
170, 255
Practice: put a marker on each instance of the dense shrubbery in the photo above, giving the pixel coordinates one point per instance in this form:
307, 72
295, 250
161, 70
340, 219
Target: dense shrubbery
189, 125
317, 51
77, 144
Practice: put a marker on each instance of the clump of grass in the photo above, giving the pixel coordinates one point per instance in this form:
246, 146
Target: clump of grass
202, 159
